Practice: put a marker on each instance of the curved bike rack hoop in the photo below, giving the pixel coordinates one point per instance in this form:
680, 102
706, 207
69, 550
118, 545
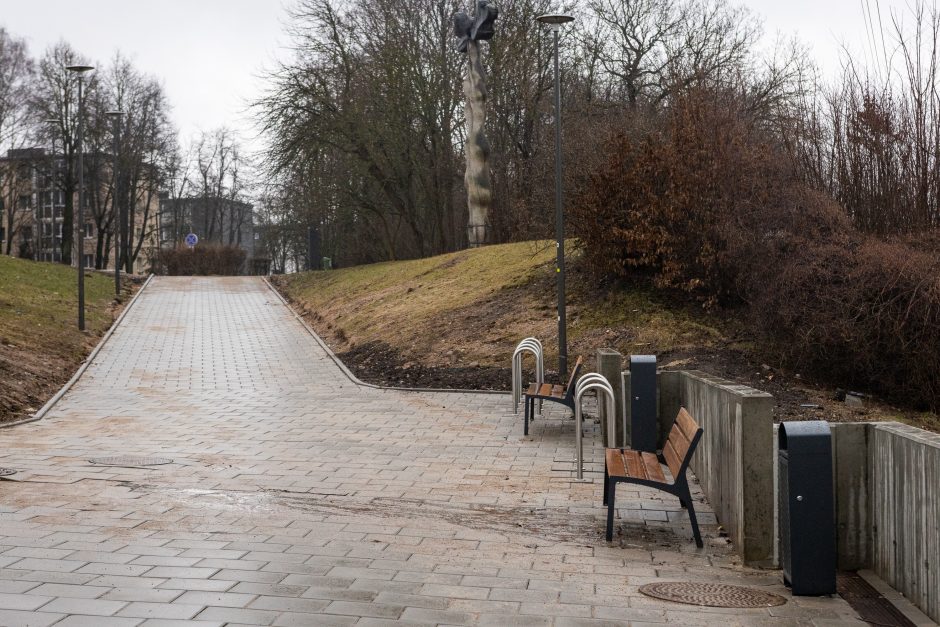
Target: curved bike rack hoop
528, 345
599, 384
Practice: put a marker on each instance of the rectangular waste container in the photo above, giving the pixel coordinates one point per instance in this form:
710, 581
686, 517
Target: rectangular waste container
644, 428
806, 508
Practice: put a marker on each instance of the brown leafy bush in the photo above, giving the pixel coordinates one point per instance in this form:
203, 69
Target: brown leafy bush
668, 201
710, 205
863, 313
204, 259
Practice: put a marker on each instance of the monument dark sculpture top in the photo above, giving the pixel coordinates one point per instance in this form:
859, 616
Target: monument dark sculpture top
479, 28
470, 31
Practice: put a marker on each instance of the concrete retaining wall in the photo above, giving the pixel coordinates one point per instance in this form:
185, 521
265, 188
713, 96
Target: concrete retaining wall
904, 487
733, 462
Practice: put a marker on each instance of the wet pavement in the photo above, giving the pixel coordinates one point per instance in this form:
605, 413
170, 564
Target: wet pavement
297, 497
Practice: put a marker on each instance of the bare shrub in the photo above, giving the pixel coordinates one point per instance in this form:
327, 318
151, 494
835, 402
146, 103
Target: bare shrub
857, 311
667, 202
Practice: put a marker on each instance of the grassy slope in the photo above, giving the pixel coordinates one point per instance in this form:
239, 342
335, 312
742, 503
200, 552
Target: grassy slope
473, 306
466, 311
40, 344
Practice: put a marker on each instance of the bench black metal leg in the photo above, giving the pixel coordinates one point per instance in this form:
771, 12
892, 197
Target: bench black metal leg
611, 491
528, 401
692, 519
606, 479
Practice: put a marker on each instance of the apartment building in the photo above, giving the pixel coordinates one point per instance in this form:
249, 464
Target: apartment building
32, 209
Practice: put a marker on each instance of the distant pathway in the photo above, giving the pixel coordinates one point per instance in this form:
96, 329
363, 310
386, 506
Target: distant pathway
296, 497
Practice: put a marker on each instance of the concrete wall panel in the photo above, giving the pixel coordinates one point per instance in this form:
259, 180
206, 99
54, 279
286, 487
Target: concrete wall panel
734, 459
904, 475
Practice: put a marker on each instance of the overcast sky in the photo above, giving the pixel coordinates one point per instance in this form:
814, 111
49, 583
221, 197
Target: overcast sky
209, 53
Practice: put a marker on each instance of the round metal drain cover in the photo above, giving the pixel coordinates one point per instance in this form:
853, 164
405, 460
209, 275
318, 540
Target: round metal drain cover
6, 472
711, 594
128, 461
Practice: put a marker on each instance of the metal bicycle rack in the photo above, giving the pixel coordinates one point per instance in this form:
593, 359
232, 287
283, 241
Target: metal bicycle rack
528, 345
599, 384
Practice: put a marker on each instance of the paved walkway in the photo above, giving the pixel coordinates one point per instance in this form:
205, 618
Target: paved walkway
295, 497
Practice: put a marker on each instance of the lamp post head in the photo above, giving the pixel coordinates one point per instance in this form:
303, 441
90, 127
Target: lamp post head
114, 113
79, 69
554, 20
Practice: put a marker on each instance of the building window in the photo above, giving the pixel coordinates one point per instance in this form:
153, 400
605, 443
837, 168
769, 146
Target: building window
3, 234
24, 201
257, 236
89, 261
57, 257
26, 233
89, 229
47, 229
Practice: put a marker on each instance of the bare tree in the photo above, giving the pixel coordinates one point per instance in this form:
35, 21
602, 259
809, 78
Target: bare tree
55, 97
16, 125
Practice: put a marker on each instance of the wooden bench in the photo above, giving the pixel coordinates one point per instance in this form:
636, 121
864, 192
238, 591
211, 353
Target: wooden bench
549, 392
629, 466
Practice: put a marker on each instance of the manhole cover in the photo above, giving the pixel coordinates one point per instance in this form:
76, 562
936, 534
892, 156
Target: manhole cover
130, 461
6, 472
711, 594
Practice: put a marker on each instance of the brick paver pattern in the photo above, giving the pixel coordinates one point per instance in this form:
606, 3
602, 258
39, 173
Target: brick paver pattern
298, 497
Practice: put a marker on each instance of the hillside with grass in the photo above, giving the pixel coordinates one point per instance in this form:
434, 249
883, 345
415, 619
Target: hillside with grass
452, 321
40, 344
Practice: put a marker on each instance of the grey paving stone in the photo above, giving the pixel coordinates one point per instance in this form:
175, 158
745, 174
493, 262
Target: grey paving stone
98, 621
237, 615
93, 607
176, 611
22, 601
23, 618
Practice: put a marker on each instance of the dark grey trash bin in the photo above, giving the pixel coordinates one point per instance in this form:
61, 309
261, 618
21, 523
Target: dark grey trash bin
644, 428
805, 500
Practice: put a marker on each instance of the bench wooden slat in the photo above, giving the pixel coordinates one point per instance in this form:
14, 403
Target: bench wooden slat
653, 470
634, 462
686, 424
574, 374
615, 466
679, 442
672, 459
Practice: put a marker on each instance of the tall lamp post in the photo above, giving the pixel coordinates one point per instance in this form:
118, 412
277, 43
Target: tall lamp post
80, 70
117, 216
554, 21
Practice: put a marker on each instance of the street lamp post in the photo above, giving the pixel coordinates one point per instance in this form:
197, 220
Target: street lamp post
117, 217
554, 21
80, 70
